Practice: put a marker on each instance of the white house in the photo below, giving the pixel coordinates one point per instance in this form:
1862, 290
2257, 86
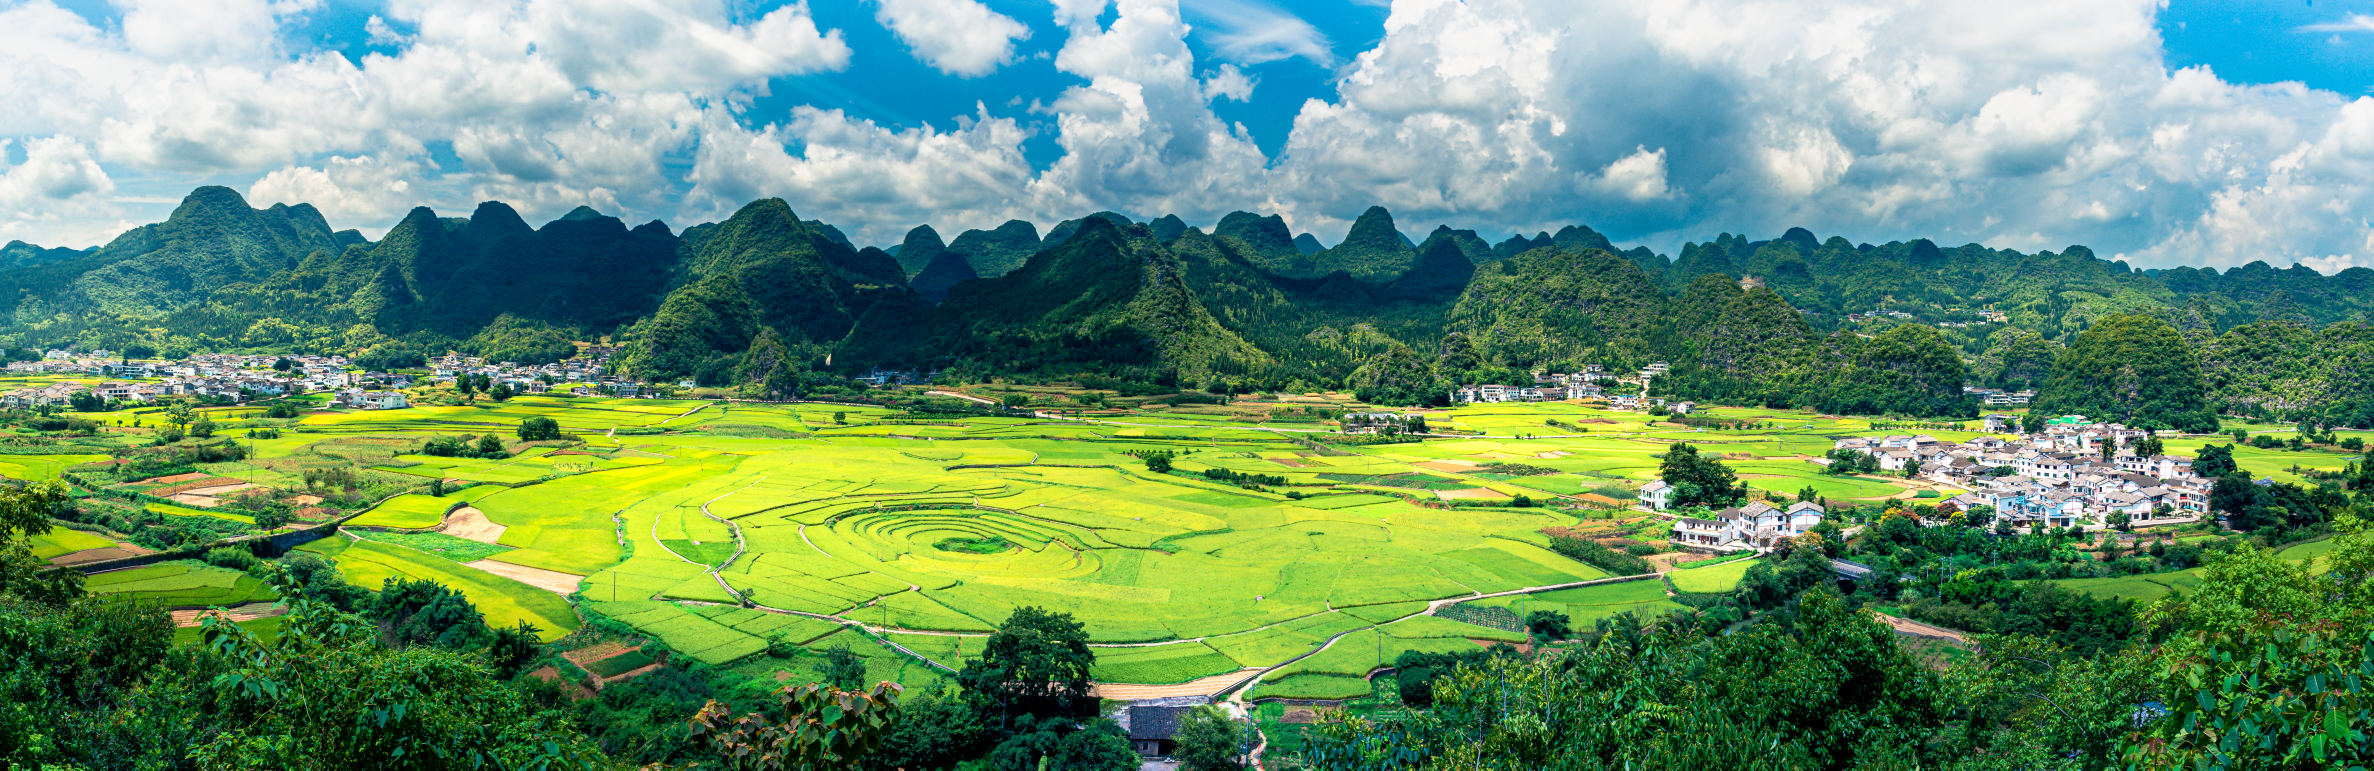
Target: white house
1658, 495
380, 400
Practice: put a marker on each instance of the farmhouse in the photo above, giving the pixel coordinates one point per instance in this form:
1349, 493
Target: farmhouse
1151, 729
370, 400
1758, 525
1657, 495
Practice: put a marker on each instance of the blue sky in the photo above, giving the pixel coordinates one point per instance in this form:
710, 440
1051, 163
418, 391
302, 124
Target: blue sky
2268, 42
2025, 124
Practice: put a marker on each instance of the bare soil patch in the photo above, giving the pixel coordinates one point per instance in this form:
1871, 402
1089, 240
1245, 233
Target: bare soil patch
549, 580
1454, 467
1202, 687
468, 522
1300, 715
1472, 492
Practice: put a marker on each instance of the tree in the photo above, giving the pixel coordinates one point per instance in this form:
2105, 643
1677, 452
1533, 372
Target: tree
1698, 480
1050, 745
2214, 460
823, 728
467, 385
1035, 664
501, 392
538, 429
490, 447
202, 428
2133, 369
25, 512
844, 669
325, 694
1550, 624
1209, 740
1158, 462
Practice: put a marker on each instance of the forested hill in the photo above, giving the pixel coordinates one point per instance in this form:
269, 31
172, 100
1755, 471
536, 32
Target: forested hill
1798, 320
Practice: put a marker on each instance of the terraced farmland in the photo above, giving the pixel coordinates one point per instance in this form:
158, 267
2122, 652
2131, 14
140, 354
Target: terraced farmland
925, 533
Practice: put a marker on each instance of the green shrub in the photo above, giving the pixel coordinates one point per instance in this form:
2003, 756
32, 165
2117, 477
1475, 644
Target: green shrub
232, 557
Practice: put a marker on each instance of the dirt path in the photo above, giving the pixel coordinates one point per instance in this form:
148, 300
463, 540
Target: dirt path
554, 581
687, 414
1198, 687
468, 522
966, 397
1911, 627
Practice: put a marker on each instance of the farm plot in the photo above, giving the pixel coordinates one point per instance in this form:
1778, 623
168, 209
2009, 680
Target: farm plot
60, 541
504, 602
706, 640
408, 512
1712, 579
182, 584
36, 468
1161, 664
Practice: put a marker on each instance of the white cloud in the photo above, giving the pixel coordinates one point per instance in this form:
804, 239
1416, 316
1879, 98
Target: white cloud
2028, 122
2356, 22
1251, 32
958, 37
206, 31
1636, 177
1228, 82
359, 190
57, 181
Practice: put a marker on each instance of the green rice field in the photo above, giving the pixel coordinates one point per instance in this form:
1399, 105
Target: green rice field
60, 540
930, 532
184, 584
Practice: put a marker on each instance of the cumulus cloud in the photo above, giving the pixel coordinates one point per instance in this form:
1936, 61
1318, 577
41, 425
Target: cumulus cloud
958, 37
362, 189
1228, 82
2029, 123
57, 179
1636, 177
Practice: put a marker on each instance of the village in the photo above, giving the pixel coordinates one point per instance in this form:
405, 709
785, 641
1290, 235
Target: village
2056, 478
235, 378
